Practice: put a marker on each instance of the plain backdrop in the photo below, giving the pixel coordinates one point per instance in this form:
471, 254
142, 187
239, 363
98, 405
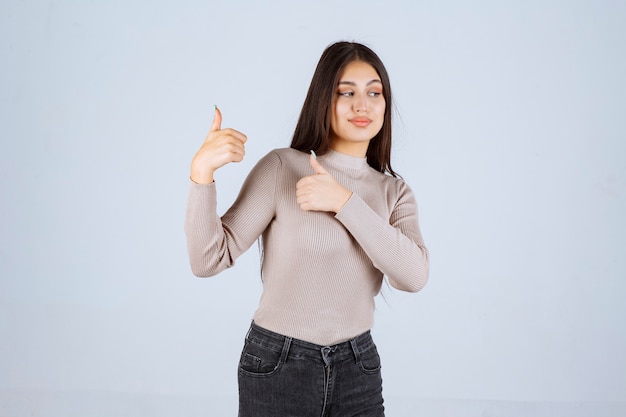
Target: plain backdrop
509, 126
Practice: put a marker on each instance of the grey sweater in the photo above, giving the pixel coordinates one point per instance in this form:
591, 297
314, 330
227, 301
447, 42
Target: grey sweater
321, 271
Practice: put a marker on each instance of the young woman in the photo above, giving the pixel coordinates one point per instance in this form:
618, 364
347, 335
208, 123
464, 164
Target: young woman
331, 227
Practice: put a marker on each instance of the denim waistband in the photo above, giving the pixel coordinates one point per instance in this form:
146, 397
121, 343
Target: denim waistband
296, 348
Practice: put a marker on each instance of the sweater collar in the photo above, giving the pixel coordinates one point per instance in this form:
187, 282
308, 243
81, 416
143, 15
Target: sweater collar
345, 161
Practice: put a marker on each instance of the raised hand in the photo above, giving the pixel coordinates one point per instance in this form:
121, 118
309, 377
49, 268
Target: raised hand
220, 147
320, 191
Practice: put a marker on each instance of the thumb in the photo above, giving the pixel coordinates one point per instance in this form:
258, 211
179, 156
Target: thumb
317, 167
217, 120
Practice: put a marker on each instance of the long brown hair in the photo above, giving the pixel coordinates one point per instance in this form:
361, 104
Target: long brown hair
313, 129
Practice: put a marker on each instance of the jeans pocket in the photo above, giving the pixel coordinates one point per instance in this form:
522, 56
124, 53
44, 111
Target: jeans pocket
369, 361
259, 361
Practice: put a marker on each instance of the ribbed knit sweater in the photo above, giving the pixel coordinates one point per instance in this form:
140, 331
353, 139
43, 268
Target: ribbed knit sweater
320, 270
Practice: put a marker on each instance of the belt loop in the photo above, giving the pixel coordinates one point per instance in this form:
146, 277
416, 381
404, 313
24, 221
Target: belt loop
285, 352
355, 350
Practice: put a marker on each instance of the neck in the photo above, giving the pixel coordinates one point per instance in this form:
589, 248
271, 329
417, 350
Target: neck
356, 149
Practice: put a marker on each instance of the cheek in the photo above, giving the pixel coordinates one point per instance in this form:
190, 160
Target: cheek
334, 121
341, 107
339, 113
380, 111
382, 107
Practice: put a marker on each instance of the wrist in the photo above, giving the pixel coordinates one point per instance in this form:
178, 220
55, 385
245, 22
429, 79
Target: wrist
343, 200
205, 177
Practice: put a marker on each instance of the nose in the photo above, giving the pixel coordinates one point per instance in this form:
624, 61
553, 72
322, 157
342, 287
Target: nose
360, 104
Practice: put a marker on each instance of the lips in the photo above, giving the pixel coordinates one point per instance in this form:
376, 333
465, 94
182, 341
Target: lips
360, 121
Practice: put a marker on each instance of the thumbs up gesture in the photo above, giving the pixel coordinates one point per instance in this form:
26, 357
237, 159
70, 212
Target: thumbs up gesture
320, 191
220, 147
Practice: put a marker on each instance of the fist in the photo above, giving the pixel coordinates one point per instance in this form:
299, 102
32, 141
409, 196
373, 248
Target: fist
220, 147
320, 191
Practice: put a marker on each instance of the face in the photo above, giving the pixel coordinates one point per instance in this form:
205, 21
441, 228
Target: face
358, 109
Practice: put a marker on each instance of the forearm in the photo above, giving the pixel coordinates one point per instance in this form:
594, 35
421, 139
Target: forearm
396, 249
208, 255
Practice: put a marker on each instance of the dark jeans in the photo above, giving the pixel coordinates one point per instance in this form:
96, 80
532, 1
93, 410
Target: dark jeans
280, 376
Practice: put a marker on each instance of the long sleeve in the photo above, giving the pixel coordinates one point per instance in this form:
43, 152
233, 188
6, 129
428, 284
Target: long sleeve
395, 245
321, 272
214, 243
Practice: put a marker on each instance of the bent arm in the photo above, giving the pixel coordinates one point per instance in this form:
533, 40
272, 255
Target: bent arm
395, 245
214, 242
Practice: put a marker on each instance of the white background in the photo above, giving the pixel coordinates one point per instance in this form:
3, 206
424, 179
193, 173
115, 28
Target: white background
510, 128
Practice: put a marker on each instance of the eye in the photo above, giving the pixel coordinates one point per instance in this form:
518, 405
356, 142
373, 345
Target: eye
374, 93
345, 93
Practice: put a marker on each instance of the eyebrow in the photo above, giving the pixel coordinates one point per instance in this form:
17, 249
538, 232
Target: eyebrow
352, 83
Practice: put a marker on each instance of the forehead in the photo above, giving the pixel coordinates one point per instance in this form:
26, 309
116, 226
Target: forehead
359, 70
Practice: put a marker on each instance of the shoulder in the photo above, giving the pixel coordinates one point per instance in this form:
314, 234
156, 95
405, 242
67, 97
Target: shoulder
387, 180
281, 162
287, 157
288, 154
279, 156
396, 189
